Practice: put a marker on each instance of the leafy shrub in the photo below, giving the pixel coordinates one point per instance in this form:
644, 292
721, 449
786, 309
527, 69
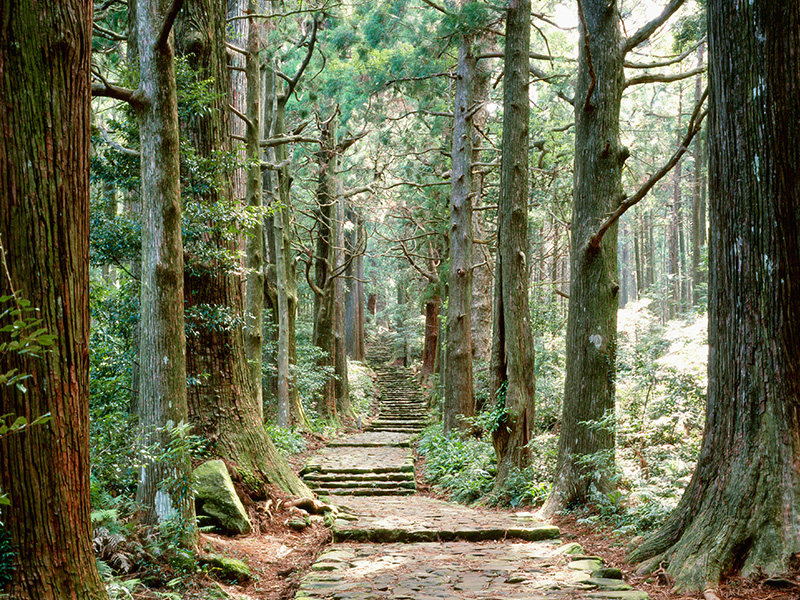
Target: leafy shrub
6, 556
464, 467
287, 441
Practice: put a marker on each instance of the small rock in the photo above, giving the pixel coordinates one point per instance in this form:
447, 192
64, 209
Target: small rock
587, 564
608, 573
571, 549
607, 584
297, 524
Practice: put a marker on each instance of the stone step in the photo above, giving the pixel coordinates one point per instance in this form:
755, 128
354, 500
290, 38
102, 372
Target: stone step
364, 492
362, 477
370, 485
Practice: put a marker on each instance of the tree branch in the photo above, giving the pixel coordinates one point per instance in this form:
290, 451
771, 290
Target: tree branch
169, 21
286, 139
295, 80
108, 34
694, 126
241, 115
649, 28
663, 77
665, 63
105, 89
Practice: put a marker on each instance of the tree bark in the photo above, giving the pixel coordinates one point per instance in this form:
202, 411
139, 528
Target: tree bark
223, 402
254, 245
741, 511
163, 402
593, 295
698, 201
513, 351
44, 232
458, 397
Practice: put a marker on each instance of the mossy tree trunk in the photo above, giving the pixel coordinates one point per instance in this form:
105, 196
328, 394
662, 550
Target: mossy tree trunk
162, 404
741, 510
224, 405
44, 234
586, 442
512, 350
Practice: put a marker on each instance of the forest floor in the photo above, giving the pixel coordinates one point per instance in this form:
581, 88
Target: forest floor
279, 557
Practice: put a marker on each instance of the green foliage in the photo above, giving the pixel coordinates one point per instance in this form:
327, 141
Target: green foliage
6, 555
464, 467
471, 19
22, 335
287, 441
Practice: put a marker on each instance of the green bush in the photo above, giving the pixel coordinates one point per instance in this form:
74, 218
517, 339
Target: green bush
287, 441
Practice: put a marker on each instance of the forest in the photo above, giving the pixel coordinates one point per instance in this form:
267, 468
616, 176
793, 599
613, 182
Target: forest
576, 223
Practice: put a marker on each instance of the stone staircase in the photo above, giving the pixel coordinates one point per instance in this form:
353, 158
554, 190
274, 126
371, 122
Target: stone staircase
378, 461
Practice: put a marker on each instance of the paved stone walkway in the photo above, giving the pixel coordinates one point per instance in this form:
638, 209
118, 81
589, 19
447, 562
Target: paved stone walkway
404, 547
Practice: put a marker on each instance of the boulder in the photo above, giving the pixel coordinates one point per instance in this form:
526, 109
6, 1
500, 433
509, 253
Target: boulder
216, 501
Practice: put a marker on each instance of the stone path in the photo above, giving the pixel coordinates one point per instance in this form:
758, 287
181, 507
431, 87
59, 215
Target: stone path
390, 544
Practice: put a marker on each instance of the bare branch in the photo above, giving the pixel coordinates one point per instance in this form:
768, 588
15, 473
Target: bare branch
694, 126
295, 80
169, 21
236, 49
664, 63
287, 139
117, 146
109, 90
441, 9
108, 34
649, 28
240, 114
663, 77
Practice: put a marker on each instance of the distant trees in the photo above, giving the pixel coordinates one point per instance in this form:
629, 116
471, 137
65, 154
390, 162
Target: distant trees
44, 209
740, 510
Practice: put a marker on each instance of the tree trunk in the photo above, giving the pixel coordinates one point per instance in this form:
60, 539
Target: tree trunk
458, 397
698, 202
278, 181
223, 402
44, 234
482, 273
592, 318
741, 511
513, 350
254, 245
431, 335
162, 403
354, 322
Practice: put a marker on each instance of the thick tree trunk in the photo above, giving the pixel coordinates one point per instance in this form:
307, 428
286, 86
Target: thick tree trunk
44, 234
592, 319
483, 271
741, 511
163, 344
224, 406
458, 397
513, 350
354, 320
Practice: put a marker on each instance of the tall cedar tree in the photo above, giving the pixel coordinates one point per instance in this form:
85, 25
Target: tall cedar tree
586, 432
512, 347
162, 357
742, 508
459, 401
44, 230
223, 404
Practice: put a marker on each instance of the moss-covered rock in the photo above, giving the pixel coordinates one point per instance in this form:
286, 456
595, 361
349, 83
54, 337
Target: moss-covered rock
227, 569
216, 501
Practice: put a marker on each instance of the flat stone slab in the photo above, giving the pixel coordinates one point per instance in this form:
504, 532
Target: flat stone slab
420, 519
359, 459
435, 570
375, 439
